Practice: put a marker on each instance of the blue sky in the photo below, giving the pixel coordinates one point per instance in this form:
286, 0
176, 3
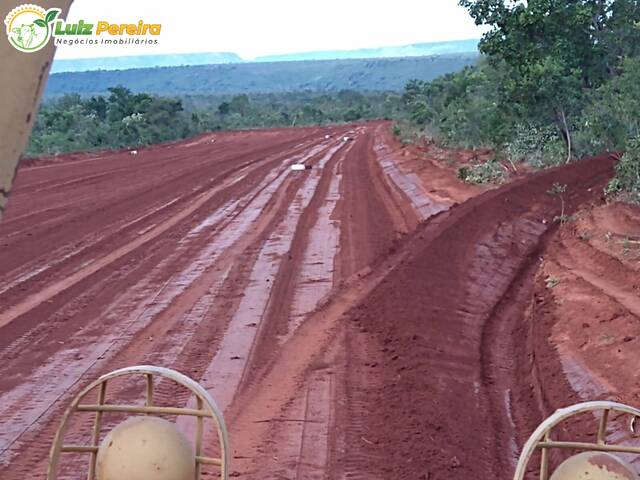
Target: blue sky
254, 28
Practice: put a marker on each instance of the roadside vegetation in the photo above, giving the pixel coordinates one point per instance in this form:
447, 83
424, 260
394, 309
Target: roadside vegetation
626, 184
127, 119
558, 81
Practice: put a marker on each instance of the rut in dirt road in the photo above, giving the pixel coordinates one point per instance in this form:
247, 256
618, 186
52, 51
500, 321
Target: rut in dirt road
204, 257
445, 408
149, 268
287, 423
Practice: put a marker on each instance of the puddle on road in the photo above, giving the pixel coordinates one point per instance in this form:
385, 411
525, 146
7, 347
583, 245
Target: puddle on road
223, 376
318, 266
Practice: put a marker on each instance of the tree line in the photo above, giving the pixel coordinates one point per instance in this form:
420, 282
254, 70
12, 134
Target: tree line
125, 119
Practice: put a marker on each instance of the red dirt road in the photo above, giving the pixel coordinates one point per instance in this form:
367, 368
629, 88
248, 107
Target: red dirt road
204, 256
361, 319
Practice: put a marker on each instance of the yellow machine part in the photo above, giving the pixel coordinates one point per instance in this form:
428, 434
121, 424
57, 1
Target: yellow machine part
145, 448
22, 80
594, 466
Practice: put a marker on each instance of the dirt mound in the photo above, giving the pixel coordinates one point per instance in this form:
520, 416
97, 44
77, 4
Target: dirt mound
441, 410
586, 310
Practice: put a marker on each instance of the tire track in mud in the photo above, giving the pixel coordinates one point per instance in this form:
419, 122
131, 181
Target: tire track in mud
225, 219
287, 277
116, 204
30, 178
132, 354
310, 447
407, 186
132, 230
283, 375
585, 323
277, 160
119, 212
371, 217
434, 321
305, 415
223, 374
229, 369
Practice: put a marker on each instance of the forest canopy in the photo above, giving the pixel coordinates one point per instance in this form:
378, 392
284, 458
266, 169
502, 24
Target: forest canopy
559, 80
124, 119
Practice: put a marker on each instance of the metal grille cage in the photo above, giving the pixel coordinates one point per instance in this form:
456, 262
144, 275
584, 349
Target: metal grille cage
542, 440
206, 408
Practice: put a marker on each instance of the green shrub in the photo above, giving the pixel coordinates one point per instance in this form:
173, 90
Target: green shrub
626, 182
463, 173
611, 117
482, 173
539, 145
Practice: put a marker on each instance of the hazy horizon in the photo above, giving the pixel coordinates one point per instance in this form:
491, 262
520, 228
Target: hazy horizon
254, 29
279, 54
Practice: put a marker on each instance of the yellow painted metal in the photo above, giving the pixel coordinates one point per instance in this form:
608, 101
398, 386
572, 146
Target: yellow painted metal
145, 448
594, 466
23, 77
542, 440
97, 426
206, 410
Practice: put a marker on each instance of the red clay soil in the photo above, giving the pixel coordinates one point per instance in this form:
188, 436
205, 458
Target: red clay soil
206, 256
451, 400
128, 259
365, 318
585, 313
438, 167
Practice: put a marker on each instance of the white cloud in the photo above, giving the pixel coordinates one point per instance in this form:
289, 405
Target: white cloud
253, 28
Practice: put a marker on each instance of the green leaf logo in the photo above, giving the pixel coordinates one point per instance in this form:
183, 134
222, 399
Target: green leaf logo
51, 15
28, 27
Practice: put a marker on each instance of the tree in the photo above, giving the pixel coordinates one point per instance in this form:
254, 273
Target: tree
461, 108
97, 106
224, 108
124, 118
239, 104
612, 114
556, 50
353, 114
